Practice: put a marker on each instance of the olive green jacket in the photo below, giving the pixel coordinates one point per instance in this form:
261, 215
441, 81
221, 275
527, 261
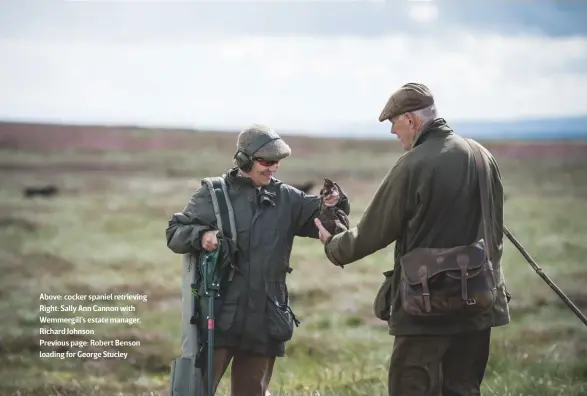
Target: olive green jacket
265, 229
437, 177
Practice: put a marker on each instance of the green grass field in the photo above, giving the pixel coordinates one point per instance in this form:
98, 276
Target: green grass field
105, 233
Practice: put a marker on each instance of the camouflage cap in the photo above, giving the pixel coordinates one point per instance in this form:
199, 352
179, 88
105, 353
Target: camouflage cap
410, 97
261, 141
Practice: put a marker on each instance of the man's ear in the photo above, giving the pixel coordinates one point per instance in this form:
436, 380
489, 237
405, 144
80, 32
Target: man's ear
410, 118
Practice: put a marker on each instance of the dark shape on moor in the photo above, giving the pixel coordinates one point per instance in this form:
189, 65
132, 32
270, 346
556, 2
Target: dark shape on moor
305, 187
40, 191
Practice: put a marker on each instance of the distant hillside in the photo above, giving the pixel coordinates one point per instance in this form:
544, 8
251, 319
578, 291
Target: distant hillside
568, 128
535, 129
564, 128
96, 138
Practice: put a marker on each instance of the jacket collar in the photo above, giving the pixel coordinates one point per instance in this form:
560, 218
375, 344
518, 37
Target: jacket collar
436, 128
237, 178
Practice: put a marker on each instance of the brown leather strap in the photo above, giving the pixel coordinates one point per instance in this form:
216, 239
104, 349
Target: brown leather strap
423, 273
463, 263
484, 193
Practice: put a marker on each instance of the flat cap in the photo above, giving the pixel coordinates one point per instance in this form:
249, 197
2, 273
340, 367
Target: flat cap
410, 97
260, 141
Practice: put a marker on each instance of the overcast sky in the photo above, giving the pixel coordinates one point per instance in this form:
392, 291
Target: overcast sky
293, 64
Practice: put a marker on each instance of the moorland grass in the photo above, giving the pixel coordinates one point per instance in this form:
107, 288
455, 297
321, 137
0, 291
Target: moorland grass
105, 233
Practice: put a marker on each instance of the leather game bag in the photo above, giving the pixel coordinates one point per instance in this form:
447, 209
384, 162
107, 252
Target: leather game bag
452, 282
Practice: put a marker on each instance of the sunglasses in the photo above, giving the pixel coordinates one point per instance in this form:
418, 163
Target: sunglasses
266, 163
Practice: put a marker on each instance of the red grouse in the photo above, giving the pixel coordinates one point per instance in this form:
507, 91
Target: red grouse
333, 219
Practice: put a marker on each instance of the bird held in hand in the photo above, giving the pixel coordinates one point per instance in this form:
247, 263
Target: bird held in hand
333, 219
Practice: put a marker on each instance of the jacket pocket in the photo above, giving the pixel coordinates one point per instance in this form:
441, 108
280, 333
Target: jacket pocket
382, 303
226, 316
280, 320
224, 312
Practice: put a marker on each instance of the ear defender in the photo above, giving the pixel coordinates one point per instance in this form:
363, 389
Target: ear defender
243, 161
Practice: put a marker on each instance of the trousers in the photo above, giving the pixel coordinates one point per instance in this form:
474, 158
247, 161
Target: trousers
439, 365
250, 373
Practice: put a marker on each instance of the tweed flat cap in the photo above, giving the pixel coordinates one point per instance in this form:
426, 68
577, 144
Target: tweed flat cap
410, 97
262, 142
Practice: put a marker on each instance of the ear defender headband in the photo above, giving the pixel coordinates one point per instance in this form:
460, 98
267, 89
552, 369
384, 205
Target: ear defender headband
244, 158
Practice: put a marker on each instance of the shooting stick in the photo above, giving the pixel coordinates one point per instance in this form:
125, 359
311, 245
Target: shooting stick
211, 283
549, 282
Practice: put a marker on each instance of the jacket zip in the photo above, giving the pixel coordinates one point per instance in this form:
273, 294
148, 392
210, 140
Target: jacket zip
246, 294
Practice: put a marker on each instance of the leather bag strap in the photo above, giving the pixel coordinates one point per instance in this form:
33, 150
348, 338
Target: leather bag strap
484, 195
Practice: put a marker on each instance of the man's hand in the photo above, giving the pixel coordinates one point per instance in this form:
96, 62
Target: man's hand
323, 234
332, 199
210, 241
